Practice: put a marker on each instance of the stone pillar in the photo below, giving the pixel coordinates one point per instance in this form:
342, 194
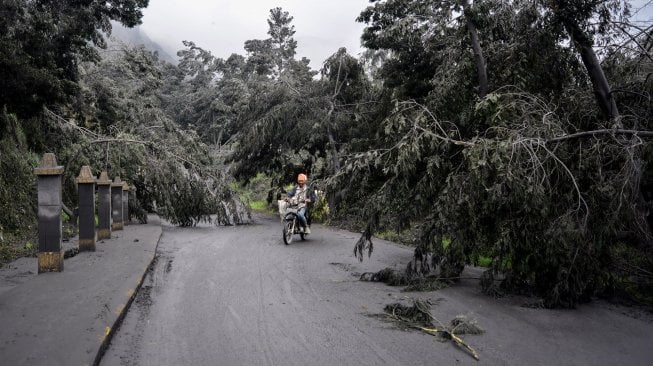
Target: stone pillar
116, 204
125, 203
86, 189
50, 254
104, 206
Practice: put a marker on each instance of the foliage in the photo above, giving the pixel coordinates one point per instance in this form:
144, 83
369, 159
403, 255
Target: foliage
42, 42
513, 176
281, 32
136, 211
631, 272
320, 210
9, 251
63, 94
17, 184
255, 193
171, 169
411, 68
487, 129
17, 179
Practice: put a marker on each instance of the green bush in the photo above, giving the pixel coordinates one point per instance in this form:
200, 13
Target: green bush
259, 205
15, 245
18, 202
630, 274
320, 211
255, 193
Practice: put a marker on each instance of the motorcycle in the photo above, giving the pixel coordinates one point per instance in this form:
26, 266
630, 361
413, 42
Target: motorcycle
290, 220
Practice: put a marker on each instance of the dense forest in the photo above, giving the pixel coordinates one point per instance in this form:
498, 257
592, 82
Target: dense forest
514, 133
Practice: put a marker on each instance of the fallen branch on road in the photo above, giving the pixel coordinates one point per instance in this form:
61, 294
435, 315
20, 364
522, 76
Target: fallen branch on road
418, 316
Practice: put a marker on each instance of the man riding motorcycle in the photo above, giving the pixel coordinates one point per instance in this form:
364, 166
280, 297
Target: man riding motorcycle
303, 196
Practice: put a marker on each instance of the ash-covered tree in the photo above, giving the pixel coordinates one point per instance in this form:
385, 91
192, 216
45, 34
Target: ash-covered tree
524, 175
578, 19
412, 65
42, 42
41, 46
301, 124
208, 93
260, 58
347, 104
171, 168
275, 132
281, 38
191, 102
295, 123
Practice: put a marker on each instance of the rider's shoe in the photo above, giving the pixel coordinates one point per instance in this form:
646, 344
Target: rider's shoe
308, 230
301, 230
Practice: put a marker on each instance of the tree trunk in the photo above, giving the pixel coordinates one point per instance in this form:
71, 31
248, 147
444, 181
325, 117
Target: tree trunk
332, 198
69, 212
602, 90
479, 59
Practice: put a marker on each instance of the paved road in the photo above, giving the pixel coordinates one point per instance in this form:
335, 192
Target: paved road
238, 296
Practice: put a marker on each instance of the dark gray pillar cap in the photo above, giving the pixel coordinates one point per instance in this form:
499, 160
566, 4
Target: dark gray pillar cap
116, 182
103, 180
85, 175
49, 166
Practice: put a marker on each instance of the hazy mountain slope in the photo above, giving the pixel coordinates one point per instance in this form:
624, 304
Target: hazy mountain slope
135, 36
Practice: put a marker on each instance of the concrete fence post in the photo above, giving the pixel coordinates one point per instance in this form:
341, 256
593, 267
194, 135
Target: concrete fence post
116, 204
104, 206
50, 254
125, 203
86, 189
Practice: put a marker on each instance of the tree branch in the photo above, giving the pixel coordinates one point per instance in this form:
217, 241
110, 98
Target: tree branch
594, 133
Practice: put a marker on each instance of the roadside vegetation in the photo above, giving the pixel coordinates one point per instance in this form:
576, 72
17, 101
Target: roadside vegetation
514, 135
255, 193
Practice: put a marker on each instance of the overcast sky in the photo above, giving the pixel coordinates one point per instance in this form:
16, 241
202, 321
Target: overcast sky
223, 26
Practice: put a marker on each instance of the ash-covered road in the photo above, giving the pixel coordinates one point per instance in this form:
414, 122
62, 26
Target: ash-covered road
239, 296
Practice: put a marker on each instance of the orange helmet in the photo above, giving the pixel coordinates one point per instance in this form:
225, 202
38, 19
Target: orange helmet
301, 178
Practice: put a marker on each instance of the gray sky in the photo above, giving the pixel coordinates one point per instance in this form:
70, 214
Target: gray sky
223, 26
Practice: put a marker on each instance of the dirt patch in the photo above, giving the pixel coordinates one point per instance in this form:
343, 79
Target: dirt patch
347, 268
168, 266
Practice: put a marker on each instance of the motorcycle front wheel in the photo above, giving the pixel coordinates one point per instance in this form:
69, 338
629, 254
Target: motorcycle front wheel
288, 229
